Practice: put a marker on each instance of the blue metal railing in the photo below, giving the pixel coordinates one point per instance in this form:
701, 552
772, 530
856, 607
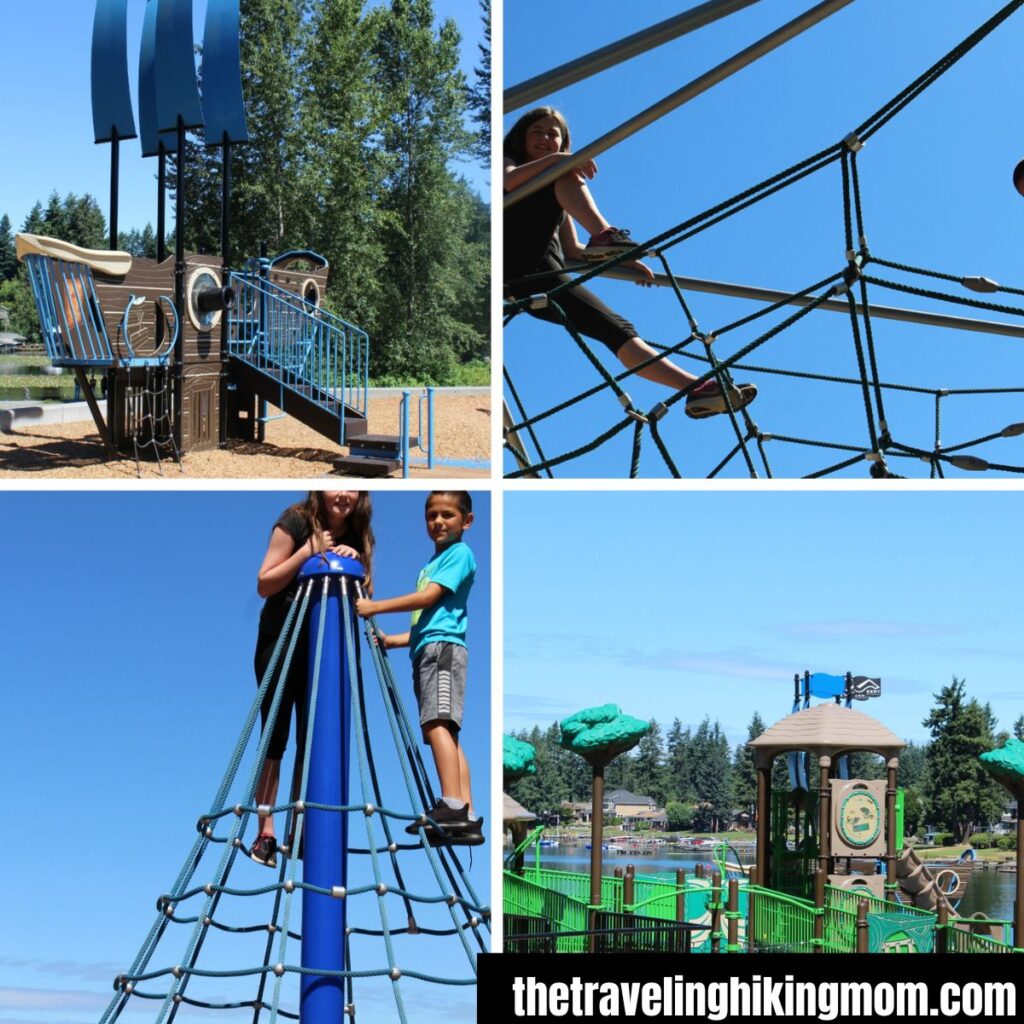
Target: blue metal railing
304, 348
69, 312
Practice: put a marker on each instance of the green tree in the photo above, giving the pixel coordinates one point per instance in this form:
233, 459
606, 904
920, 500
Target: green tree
913, 765
711, 774
1018, 728
480, 92
34, 221
8, 258
744, 774
645, 768
677, 763
424, 95
678, 815
961, 796
16, 298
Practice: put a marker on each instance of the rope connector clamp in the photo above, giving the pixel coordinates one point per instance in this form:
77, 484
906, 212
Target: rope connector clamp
657, 412
853, 142
338, 892
538, 302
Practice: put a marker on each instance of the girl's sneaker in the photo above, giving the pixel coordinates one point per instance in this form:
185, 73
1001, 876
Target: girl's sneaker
264, 851
708, 400
610, 242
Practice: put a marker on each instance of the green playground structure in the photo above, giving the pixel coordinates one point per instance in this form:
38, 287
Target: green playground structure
832, 873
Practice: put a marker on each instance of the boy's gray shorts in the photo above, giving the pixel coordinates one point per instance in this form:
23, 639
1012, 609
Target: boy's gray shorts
439, 682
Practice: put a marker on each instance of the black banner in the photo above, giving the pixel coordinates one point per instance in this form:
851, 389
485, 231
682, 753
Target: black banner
810, 987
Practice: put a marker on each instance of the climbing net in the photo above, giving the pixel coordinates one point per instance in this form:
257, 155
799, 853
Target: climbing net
848, 288
149, 417
212, 907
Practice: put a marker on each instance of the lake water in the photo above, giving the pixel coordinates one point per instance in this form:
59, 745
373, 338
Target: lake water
991, 892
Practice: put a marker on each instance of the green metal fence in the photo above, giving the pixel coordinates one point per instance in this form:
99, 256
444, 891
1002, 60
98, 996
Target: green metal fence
563, 913
782, 924
960, 941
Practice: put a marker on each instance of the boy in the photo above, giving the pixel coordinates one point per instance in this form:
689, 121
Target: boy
437, 647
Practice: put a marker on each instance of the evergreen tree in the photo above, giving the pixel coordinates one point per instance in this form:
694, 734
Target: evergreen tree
480, 93
960, 794
1018, 728
913, 761
342, 170
711, 773
8, 257
148, 242
864, 765
34, 221
424, 95
646, 767
744, 774
74, 219
677, 766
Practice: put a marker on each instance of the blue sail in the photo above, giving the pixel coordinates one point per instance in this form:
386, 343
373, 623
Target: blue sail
111, 94
177, 91
151, 137
824, 685
223, 105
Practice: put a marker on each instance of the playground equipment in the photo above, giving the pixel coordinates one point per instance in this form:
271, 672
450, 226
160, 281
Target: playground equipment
191, 351
347, 909
842, 289
832, 872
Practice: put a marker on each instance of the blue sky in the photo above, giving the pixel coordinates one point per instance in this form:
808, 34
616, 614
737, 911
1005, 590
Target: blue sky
705, 604
48, 130
937, 193
129, 665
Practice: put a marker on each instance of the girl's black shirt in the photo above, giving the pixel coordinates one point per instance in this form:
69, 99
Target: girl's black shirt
275, 608
531, 235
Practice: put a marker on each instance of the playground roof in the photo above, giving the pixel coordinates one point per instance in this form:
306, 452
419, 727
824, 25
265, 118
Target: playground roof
515, 811
826, 729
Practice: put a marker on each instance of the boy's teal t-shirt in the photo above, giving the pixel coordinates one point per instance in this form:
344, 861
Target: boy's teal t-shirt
454, 569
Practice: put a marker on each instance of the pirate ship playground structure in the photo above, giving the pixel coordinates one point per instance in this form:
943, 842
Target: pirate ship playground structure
190, 351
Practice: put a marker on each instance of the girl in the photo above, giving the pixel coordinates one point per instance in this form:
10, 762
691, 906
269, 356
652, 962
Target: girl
540, 236
337, 521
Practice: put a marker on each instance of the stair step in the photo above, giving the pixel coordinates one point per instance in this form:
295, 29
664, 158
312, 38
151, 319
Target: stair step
377, 444
361, 465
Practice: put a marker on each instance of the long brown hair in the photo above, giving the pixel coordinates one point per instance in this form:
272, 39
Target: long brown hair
514, 145
358, 533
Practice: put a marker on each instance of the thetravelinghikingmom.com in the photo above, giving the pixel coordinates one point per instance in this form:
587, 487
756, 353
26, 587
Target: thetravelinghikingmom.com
762, 996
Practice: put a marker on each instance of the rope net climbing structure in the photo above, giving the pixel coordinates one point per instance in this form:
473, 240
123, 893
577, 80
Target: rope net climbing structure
889, 438
233, 936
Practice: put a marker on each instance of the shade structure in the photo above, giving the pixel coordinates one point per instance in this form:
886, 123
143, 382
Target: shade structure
826, 730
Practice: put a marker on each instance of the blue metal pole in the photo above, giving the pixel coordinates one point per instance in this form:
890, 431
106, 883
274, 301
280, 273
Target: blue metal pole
430, 428
404, 429
325, 833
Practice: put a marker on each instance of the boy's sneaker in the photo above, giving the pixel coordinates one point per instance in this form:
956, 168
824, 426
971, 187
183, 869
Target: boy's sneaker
472, 835
264, 851
609, 242
447, 817
708, 400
